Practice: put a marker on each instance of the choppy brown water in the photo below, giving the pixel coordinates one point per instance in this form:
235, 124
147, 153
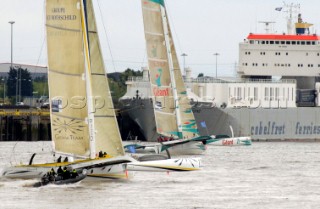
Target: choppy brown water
264, 175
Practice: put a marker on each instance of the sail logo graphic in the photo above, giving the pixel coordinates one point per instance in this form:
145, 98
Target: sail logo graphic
158, 77
160, 92
187, 161
156, 90
67, 129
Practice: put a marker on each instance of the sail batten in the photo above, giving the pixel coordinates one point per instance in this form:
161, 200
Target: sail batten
64, 73
153, 34
157, 60
63, 29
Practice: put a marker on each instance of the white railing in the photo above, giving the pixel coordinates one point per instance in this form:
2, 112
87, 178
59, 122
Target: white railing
214, 80
137, 79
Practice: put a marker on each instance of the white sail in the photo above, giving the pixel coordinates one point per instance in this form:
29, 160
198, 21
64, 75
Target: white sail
172, 109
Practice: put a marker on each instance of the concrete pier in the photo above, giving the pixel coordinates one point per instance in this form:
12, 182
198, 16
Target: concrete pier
24, 125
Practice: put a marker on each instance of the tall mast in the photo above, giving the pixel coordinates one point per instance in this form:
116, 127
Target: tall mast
292, 9
90, 119
171, 70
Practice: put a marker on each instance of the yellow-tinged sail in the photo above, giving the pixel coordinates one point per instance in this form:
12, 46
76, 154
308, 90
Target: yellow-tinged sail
66, 77
173, 114
77, 82
108, 138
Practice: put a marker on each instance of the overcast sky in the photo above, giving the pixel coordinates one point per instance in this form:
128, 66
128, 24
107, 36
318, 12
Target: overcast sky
200, 29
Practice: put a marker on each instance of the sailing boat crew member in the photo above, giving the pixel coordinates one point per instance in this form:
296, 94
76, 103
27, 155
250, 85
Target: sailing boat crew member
59, 171
66, 173
100, 154
74, 173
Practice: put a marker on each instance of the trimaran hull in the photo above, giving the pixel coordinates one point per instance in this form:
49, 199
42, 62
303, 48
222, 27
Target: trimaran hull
112, 168
233, 141
190, 148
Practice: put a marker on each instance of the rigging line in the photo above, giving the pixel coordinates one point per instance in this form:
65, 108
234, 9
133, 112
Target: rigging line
44, 35
44, 39
108, 43
173, 28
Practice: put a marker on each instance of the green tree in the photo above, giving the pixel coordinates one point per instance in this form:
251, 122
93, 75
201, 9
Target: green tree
40, 85
200, 75
117, 83
23, 77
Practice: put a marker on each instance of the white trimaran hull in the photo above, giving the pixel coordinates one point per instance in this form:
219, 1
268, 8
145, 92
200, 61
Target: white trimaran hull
173, 147
105, 168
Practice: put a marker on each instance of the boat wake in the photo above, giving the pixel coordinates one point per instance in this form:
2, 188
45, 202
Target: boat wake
259, 168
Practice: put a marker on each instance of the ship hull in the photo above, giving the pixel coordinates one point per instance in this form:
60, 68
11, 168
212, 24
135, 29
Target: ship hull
297, 123
301, 123
142, 113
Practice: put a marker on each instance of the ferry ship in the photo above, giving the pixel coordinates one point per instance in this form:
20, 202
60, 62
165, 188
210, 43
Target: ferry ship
273, 97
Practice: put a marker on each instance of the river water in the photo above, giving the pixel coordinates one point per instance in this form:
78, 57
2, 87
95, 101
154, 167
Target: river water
264, 175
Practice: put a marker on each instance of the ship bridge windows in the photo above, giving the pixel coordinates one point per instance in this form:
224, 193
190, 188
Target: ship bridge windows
278, 53
247, 53
300, 65
284, 42
262, 53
